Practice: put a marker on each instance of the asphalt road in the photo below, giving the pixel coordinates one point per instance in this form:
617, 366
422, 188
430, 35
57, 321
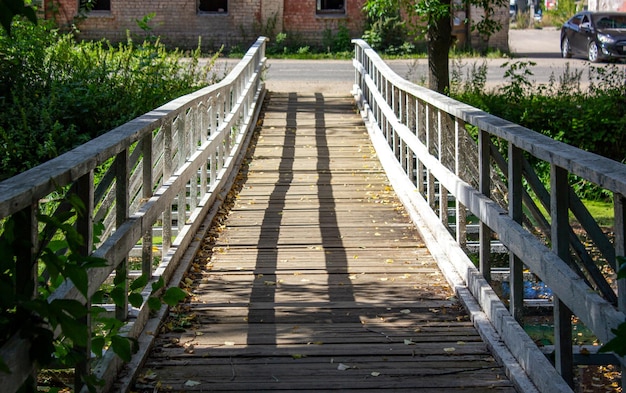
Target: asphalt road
538, 46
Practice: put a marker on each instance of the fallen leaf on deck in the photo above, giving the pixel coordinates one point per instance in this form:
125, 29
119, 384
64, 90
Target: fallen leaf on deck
405, 311
375, 373
343, 367
191, 383
449, 349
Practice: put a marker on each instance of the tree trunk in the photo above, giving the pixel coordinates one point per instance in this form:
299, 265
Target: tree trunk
439, 41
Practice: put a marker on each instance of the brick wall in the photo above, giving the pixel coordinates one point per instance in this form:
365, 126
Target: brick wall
300, 18
179, 24
62, 11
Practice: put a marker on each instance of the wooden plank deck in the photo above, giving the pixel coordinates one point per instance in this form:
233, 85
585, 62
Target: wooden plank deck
317, 280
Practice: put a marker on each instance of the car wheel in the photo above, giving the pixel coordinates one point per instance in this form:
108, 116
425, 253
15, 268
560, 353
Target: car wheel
565, 48
592, 53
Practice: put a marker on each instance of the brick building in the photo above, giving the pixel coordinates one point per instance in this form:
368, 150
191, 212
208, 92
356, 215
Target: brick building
217, 22
229, 22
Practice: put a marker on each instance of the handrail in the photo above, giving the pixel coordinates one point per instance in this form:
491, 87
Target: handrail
169, 167
420, 131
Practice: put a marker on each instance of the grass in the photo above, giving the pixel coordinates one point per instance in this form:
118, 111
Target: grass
601, 211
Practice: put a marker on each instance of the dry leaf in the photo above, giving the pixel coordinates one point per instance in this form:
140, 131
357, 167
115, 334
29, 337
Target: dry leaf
343, 367
191, 383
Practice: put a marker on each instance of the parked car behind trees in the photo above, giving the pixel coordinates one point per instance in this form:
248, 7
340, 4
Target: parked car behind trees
595, 35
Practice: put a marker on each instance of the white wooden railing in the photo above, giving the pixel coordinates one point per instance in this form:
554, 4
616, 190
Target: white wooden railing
170, 169
417, 131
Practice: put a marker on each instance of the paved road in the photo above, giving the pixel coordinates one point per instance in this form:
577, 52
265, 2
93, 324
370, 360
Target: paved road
538, 46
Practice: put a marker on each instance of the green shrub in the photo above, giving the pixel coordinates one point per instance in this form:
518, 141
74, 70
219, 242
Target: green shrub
386, 31
593, 119
56, 94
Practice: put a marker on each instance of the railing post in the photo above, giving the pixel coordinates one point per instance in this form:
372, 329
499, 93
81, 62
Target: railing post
516, 267
194, 136
460, 212
121, 215
619, 203
147, 186
484, 172
84, 226
619, 228
167, 173
442, 137
421, 124
430, 141
181, 207
204, 127
26, 268
559, 197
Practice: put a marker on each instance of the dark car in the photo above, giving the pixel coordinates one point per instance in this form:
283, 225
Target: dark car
595, 35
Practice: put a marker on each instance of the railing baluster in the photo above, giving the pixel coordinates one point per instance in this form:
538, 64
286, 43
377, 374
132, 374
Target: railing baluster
181, 207
443, 193
430, 145
26, 267
121, 215
167, 173
559, 191
84, 226
484, 174
460, 212
195, 138
516, 267
619, 228
148, 185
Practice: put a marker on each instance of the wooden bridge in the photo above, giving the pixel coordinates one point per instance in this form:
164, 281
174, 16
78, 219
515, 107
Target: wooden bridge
326, 248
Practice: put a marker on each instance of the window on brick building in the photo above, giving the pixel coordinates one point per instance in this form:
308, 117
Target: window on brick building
95, 5
331, 6
213, 6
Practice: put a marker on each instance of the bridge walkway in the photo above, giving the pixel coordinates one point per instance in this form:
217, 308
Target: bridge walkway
315, 279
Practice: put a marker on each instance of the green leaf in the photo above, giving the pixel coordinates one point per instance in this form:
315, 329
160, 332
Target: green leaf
97, 345
173, 296
139, 283
3, 367
72, 307
121, 347
158, 285
74, 329
98, 297
79, 277
618, 343
621, 273
118, 295
89, 262
135, 299
154, 303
